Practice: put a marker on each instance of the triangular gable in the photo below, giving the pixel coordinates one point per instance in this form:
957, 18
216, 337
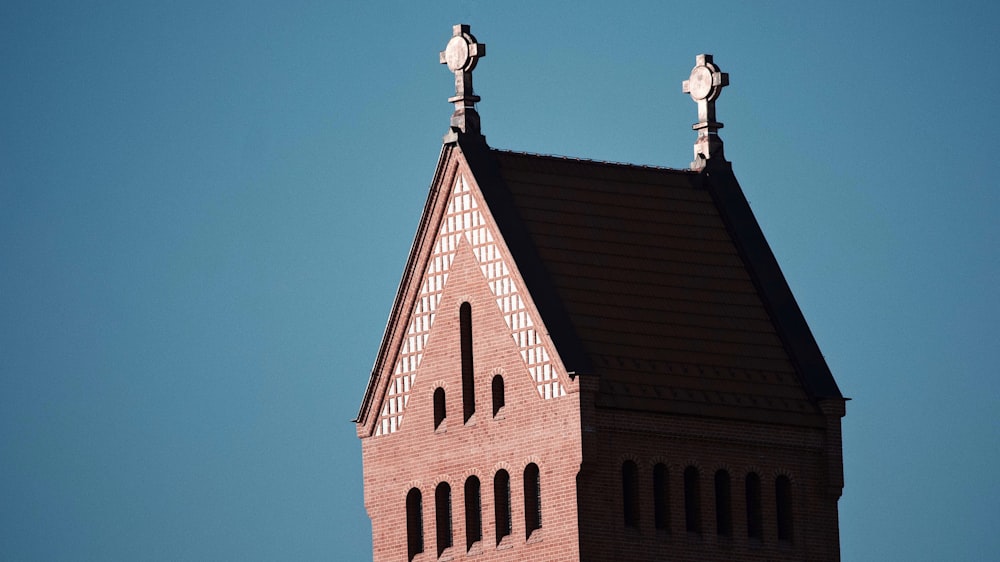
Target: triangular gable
466, 216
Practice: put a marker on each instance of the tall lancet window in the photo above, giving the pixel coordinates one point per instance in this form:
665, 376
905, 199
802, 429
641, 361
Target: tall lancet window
783, 499
661, 498
723, 504
414, 524
501, 504
473, 513
692, 500
498, 395
439, 407
468, 373
755, 526
630, 493
532, 500
442, 513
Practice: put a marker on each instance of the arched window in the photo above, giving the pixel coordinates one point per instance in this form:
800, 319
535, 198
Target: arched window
439, 411
473, 513
468, 374
501, 504
630, 493
498, 396
661, 498
532, 500
783, 498
442, 514
755, 527
414, 524
692, 500
723, 505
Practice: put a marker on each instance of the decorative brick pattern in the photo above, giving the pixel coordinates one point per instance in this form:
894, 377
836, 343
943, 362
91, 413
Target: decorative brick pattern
465, 219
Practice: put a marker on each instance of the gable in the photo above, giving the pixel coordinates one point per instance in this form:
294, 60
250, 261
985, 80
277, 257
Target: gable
463, 219
657, 280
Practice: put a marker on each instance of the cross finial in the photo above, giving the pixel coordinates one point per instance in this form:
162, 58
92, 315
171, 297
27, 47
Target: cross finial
705, 85
461, 56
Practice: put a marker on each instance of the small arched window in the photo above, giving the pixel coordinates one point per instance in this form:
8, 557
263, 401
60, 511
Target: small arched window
783, 500
501, 504
442, 514
498, 395
723, 505
532, 500
473, 513
755, 527
692, 500
468, 372
439, 411
414, 524
630, 493
661, 498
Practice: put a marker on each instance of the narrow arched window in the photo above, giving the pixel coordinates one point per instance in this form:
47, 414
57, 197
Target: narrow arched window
439, 411
723, 505
414, 524
442, 515
473, 513
755, 527
783, 499
692, 500
661, 498
501, 504
468, 376
498, 395
532, 500
630, 493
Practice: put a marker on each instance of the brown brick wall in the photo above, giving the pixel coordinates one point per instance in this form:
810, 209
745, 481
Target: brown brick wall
709, 445
529, 429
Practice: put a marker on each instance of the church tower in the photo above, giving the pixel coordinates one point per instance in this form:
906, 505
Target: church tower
596, 361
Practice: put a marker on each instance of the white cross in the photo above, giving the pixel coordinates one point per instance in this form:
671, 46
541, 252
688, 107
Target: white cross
705, 85
461, 56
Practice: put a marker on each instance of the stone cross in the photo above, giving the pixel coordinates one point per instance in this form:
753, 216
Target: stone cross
461, 56
705, 85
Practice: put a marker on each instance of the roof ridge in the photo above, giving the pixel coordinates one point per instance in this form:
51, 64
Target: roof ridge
591, 160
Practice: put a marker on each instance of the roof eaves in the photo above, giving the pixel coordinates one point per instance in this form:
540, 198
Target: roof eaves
771, 284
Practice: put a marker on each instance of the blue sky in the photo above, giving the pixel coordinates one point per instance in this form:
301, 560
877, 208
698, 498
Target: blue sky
205, 209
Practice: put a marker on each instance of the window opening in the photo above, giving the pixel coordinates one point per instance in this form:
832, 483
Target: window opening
692, 500
473, 513
661, 498
468, 377
414, 524
498, 395
442, 512
532, 500
630, 493
723, 504
783, 497
755, 528
439, 411
501, 504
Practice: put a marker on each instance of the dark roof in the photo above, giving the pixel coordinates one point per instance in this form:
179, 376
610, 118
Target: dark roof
657, 280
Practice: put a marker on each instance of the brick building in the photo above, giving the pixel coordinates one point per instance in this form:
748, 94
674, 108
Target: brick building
596, 361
